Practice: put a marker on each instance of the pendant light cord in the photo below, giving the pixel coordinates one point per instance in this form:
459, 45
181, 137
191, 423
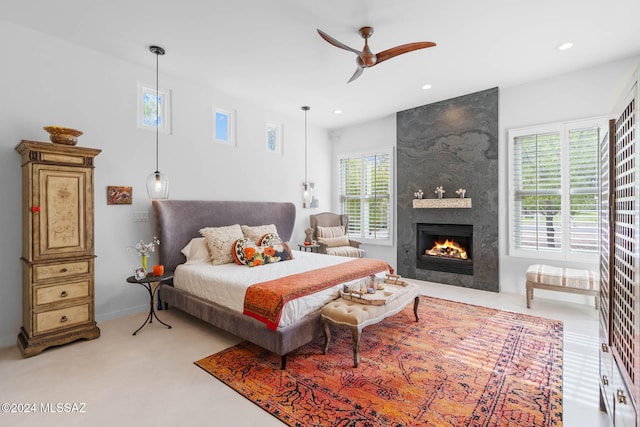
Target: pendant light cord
305, 146
305, 109
157, 113
157, 50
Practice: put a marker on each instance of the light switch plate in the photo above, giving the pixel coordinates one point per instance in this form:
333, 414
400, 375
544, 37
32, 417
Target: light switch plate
141, 216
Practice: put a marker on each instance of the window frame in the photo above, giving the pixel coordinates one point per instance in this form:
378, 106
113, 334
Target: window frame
563, 128
229, 129
164, 103
362, 155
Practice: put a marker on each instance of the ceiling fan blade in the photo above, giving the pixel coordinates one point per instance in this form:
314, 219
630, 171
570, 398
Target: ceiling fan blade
337, 43
357, 74
399, 50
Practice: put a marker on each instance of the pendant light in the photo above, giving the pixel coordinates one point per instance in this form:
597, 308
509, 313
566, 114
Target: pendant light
307, 195
157, 182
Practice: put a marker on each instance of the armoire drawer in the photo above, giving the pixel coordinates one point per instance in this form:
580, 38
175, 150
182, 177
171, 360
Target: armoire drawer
61, 293
62, 318
63, 269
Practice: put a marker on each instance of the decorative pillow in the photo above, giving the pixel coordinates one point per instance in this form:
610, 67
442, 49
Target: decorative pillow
269, 239
330, 231
220, 241
334, 242
196, 251
255, 232
260, 255
238, 251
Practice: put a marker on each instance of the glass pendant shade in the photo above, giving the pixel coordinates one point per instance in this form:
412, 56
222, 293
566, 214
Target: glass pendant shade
158, 186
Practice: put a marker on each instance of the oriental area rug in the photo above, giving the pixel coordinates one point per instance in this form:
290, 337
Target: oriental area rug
460, 365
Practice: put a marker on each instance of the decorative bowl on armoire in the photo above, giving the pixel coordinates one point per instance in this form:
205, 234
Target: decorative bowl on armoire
62, 135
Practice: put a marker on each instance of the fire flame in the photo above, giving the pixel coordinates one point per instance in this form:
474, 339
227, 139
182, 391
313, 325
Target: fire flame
447, 249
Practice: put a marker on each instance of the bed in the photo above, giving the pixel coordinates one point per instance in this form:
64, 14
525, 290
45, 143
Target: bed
179, 221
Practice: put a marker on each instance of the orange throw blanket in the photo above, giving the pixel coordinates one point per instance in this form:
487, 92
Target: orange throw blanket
264, 301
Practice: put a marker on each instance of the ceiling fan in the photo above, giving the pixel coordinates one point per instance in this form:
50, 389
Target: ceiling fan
366, 58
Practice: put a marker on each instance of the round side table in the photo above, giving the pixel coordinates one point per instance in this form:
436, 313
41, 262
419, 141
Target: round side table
151, 283
308, 248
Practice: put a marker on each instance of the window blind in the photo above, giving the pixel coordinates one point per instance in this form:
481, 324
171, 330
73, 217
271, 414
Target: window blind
365, 187
537, 176
377, 191
350, 183
554, 189
583, 161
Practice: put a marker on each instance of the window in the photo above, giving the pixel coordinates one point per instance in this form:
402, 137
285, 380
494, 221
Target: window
224, 126
554, 190
148, 100
365, 191
274, 137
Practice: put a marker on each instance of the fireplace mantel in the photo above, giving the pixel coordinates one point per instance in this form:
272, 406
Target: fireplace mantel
452, 203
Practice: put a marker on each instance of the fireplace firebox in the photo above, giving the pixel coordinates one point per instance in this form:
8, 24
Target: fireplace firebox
445, 247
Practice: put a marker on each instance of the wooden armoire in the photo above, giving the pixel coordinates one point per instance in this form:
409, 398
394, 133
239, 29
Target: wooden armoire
620, 262
57, 245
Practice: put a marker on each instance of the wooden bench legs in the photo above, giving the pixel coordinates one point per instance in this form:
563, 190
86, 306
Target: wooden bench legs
532, 285
356, 333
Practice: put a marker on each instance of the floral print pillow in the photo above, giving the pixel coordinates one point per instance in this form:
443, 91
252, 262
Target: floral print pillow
260, 255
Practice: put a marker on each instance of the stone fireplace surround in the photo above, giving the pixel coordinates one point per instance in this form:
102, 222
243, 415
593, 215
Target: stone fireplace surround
454, 144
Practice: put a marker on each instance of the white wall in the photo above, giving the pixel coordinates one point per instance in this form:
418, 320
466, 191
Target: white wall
376, 134
586, 93
47, 81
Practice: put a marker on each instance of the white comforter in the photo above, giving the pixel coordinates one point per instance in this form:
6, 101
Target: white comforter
227, 284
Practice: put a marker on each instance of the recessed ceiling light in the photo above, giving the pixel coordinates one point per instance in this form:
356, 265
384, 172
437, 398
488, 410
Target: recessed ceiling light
427, 86
565, 46
337, 112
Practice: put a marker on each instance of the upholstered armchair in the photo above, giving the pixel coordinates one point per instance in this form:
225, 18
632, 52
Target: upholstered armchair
330, 231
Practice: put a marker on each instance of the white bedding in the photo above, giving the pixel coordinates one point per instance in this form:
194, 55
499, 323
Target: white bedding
227, 284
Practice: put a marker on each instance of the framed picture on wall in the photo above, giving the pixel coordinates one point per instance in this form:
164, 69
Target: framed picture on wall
224, 126
119, 195
148, 102
273, 137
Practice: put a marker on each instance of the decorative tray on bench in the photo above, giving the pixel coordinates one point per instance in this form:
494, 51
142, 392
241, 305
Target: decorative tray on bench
392, 285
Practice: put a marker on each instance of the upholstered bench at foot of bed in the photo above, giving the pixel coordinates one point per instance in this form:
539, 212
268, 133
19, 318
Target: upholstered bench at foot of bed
357, 316
540, 276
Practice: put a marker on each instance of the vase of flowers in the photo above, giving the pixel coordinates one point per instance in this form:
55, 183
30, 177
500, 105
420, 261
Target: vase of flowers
144, 249
440, 192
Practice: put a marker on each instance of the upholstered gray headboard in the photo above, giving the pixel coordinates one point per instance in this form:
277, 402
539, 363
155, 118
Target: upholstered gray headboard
179, 221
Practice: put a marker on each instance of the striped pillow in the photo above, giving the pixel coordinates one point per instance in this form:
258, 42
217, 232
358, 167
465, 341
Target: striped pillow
330, 231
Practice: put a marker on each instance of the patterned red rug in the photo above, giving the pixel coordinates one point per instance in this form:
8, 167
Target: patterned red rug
461, 365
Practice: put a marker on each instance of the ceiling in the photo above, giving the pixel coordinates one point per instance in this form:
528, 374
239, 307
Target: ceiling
268, 51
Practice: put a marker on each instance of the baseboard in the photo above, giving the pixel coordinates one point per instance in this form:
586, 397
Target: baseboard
121, 313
